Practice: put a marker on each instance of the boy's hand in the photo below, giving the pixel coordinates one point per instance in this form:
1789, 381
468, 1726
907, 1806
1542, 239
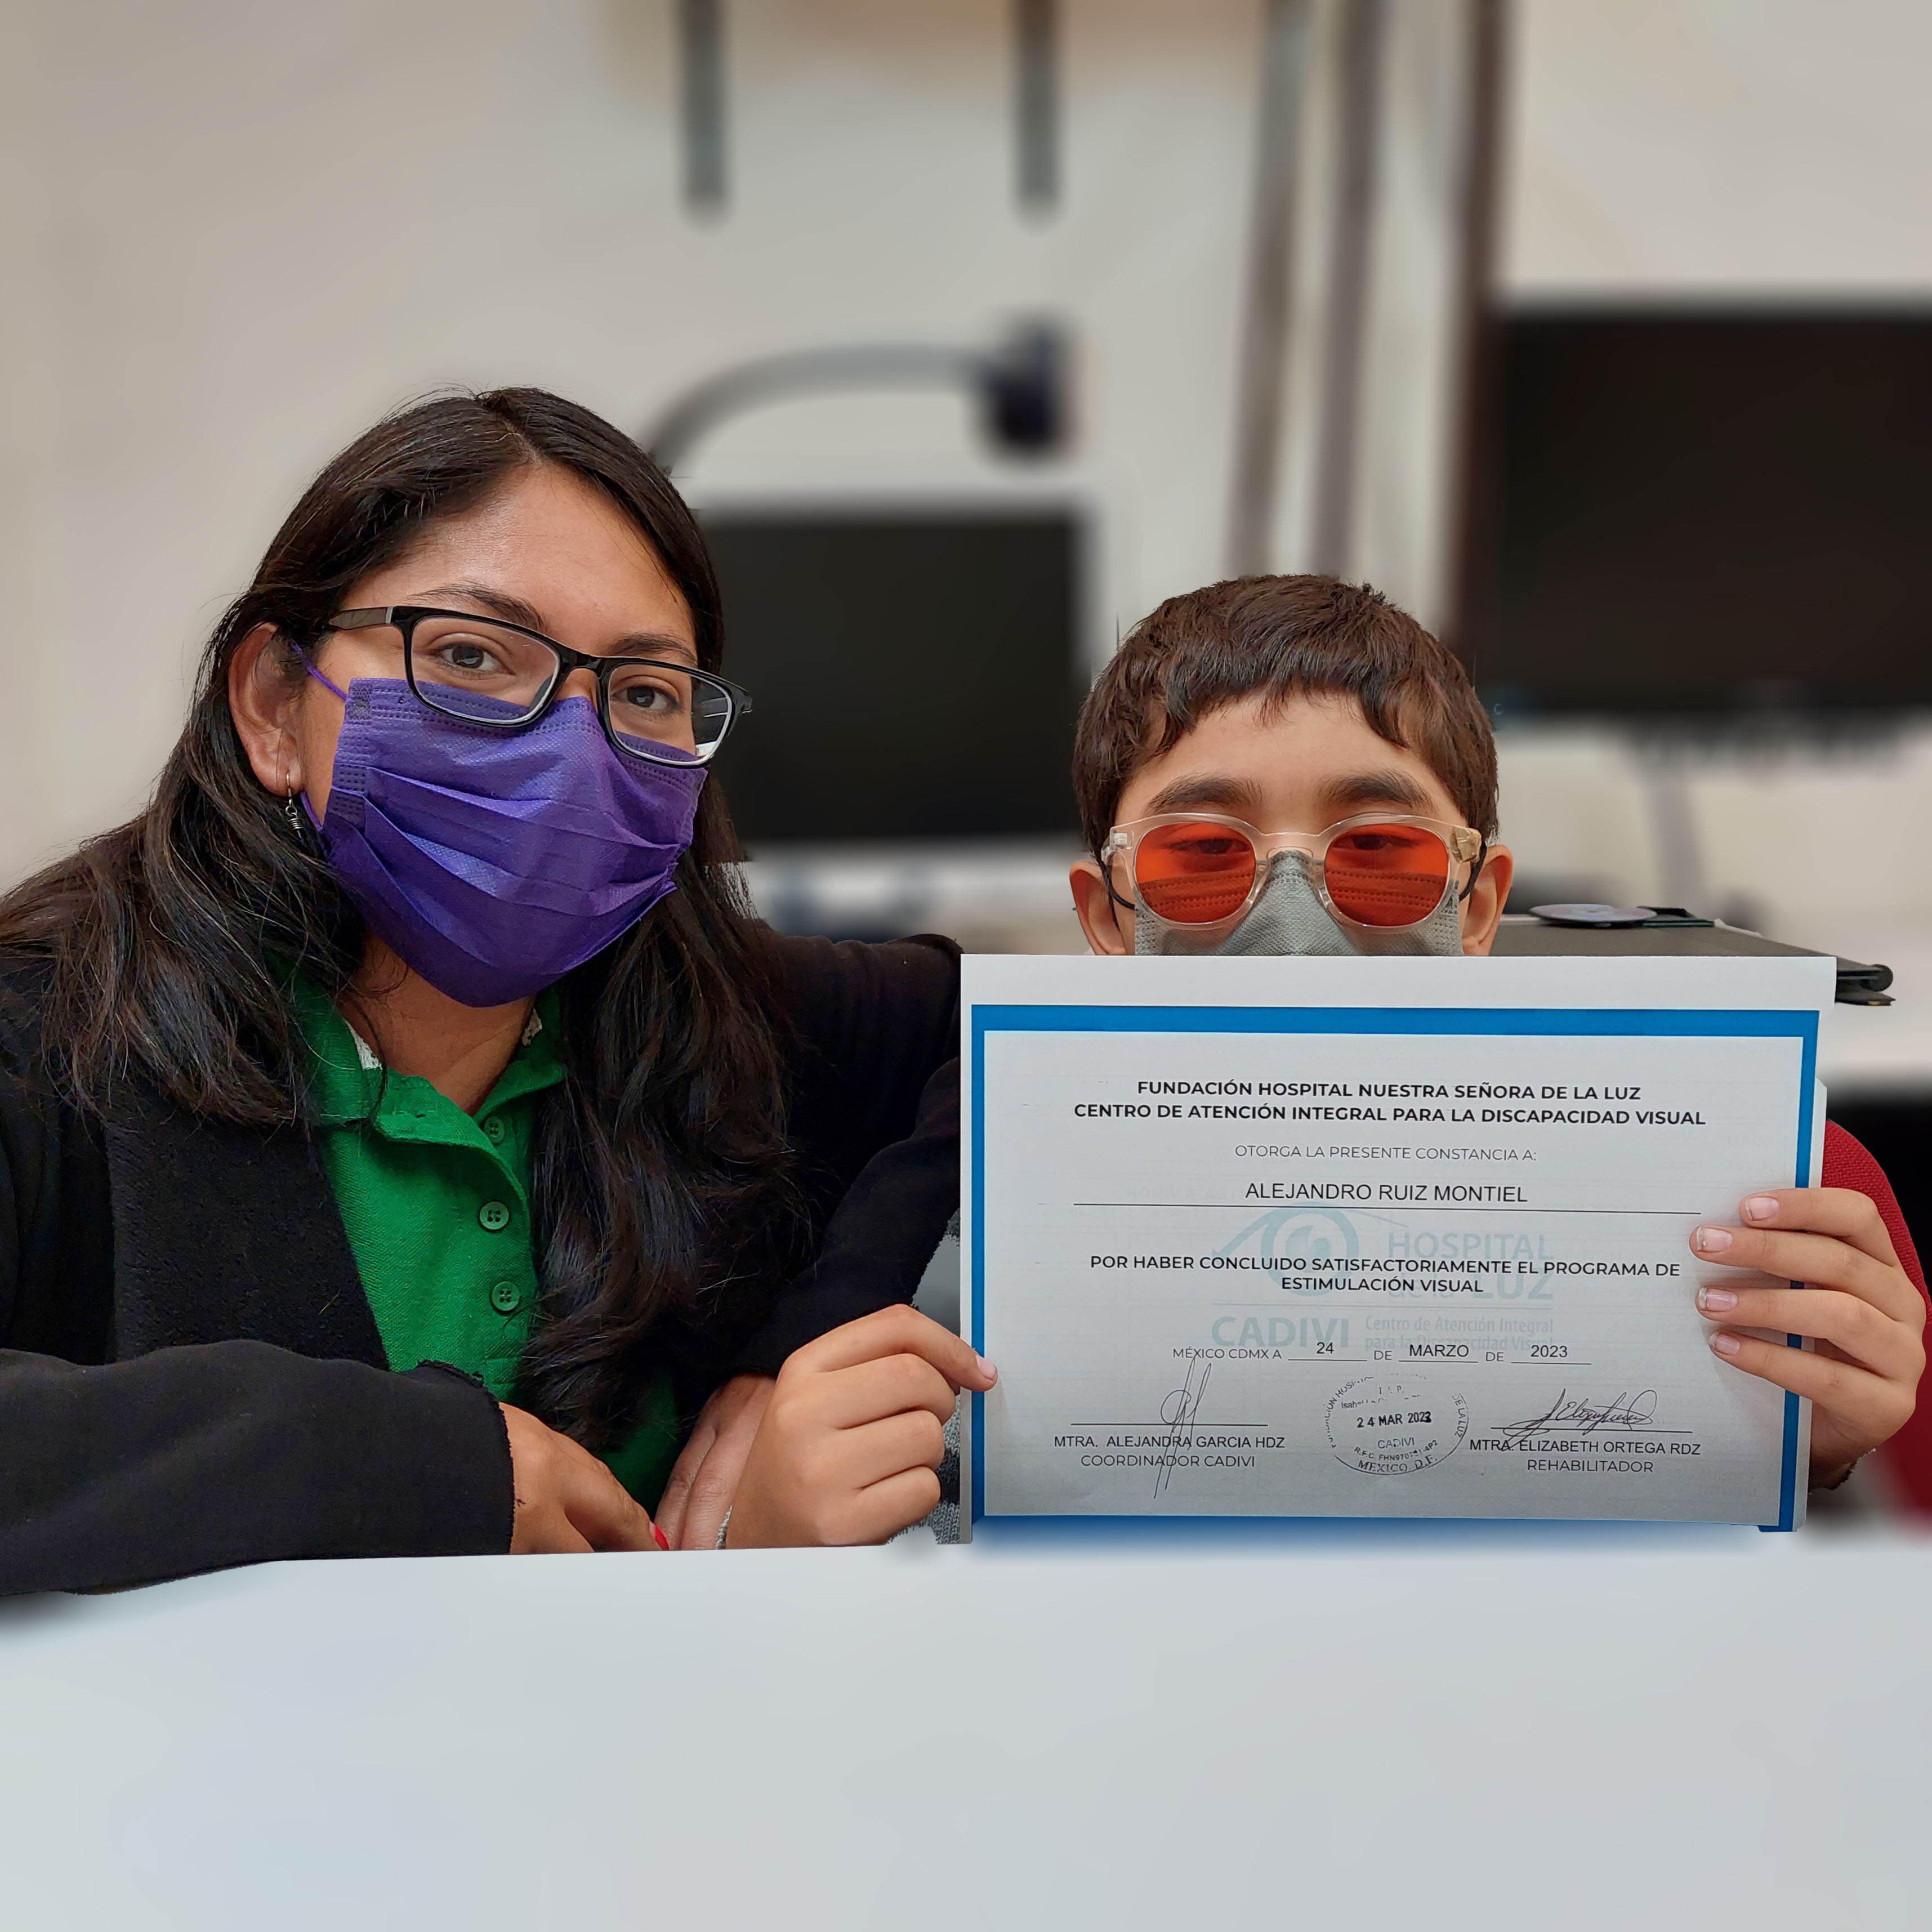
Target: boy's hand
705, 1479
1858, 1304
847, 1450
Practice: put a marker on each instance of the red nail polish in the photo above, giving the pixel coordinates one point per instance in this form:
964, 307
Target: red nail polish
664, 1541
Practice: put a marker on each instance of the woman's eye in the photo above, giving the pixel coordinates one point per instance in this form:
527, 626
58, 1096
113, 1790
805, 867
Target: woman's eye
465, 654
647, 697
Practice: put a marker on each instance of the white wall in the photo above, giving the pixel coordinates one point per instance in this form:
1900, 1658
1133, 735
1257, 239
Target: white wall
1733, 146
1683, 148
232, 232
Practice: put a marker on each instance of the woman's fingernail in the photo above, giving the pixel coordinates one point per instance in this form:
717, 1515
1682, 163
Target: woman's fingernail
1711, 1240
1725, 1342
664, 1541
986, 1369
1760, 1207
1716, 1298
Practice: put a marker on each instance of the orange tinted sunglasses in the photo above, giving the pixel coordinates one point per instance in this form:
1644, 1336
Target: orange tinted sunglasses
1381, 869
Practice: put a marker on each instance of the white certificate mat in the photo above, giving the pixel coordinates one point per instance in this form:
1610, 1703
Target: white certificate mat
1376, 1236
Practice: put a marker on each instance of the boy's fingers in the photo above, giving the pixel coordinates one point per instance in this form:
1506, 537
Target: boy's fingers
705, 1477
853, 1397
1886, 1347
887, 1448
677, 1497
1838, 1386
886, 1508
898, 1330
1823, 1260
1843, 1211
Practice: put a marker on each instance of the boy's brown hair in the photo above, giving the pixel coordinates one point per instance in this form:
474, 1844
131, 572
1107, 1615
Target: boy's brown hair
1277, 637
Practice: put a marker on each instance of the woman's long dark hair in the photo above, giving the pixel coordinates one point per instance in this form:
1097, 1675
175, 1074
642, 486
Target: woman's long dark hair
171, 938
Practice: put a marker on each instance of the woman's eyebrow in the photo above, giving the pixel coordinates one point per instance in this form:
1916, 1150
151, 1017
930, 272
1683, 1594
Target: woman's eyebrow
515, 610
499, 603
1207, 791
1384, 788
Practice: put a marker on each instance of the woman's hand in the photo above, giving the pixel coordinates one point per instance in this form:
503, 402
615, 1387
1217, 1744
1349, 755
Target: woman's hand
705, 1479
566, 1499
848, 1448
1860, 1306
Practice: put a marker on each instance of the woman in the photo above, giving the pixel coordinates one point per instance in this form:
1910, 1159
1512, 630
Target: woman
405, 1129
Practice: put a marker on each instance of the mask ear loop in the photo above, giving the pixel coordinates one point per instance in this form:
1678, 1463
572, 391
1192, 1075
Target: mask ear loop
309, 665
1106, 865
1476, 870
298, 821
1115, 901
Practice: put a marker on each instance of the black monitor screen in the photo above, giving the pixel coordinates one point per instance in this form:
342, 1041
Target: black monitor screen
1698, 512
915, 675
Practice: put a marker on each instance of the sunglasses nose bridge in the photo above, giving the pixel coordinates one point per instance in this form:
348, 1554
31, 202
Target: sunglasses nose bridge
1269, 846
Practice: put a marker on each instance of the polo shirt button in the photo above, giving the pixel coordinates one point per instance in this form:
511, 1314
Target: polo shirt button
493, 1129
506, 1297
493, 1217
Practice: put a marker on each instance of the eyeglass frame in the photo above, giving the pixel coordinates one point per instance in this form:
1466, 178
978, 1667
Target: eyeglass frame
403, 618
1455, 840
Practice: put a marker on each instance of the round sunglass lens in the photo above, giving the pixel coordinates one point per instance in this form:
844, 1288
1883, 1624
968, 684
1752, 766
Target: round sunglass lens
1194, 874
1387, 874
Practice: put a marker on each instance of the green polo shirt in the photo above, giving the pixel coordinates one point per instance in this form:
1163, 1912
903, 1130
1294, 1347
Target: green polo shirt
435, 1204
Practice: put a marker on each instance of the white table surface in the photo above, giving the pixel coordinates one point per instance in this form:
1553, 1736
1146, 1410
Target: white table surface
1363, 1729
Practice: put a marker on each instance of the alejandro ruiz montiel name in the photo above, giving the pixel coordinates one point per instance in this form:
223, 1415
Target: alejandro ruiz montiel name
1393, 1191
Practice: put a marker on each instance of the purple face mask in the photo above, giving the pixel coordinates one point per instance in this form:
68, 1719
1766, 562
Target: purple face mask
493, 862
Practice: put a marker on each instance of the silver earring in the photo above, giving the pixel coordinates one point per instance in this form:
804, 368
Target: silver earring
292, 812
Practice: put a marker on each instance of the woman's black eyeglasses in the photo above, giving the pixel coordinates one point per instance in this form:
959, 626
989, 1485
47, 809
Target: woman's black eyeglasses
504, 677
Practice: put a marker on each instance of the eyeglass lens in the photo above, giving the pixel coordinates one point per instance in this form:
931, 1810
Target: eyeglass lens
472, 668
1194, 874
1386, 874
1375, 874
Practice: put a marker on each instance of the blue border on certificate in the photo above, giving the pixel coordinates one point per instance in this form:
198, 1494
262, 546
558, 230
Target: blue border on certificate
1697, 1023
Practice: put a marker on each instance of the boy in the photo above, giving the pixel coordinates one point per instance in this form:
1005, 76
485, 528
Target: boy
1290, 764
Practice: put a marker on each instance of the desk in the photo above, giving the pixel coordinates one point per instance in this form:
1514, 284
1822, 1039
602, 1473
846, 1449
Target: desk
1872, 1053
1327, 1726
1864, 1053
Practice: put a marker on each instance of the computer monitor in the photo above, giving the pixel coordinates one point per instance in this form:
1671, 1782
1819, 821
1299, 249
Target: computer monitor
915, 670
1705, 512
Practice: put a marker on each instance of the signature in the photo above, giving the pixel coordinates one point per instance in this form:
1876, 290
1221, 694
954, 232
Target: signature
1180, 1410
1570, 1415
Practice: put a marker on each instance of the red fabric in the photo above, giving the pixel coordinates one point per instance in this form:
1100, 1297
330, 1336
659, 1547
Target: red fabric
1907, 1457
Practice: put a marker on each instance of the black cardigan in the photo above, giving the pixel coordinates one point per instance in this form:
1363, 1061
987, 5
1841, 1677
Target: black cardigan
190, 1374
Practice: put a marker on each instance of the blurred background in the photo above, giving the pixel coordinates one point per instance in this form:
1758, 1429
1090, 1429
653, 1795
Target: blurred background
1597, 332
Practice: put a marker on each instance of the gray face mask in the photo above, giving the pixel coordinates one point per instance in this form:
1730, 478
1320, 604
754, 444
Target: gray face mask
1289, 917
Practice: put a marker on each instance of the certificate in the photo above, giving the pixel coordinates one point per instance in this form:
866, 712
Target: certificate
1366, 1237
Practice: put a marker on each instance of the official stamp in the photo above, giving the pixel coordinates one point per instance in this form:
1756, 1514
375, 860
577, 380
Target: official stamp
1392, 1425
